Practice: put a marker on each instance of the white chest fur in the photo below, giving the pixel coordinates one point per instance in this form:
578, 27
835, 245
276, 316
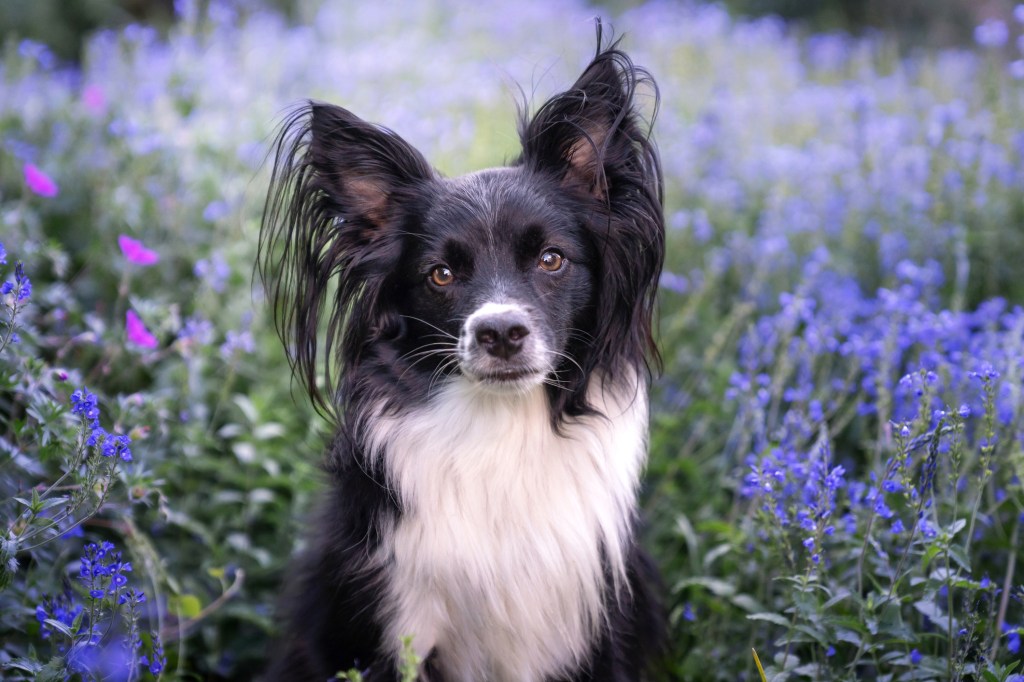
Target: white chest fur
497, 558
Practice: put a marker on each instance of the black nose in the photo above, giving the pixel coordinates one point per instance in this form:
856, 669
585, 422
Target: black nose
501, 335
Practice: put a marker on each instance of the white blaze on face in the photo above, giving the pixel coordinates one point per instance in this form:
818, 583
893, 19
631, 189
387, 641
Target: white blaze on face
504, 346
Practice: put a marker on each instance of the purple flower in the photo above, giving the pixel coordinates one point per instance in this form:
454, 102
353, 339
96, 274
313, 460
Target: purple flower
84, 403
23, 283
1012, 638
136, 252
237, 342
214, 270
992, 33
60, 608
116, 445
673, 282
882, 509
3, 254
138, 334
892, 486
215, 210
39, 182
915, 656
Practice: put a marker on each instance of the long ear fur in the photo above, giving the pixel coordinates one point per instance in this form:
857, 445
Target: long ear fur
593, 140
330, 222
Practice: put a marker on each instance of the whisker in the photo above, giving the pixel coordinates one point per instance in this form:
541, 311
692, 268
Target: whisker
423, 355
441, 369
428, 349
433, 326
563, 354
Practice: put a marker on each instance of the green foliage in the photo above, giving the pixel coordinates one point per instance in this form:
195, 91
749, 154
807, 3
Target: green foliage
835, 477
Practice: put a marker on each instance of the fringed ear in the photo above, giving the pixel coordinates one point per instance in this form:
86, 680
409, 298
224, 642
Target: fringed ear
330, 226
360, 166
594, 127
593, 141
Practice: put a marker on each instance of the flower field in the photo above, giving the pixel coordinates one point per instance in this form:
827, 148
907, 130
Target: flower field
837, 446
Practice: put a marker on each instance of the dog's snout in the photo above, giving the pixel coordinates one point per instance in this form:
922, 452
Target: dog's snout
501, 335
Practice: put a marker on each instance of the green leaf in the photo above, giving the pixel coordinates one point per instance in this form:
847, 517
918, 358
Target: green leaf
717, 587
59, 627
935, 614
56, 670
956, 527
187, 605
746, 603
815, 633
957, 554
771, 618
26, 664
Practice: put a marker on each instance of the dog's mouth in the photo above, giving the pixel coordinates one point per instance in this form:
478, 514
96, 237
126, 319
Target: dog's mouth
515, 379
510, 376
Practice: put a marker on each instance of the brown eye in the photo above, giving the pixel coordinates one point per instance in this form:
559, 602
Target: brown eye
442, 276
551, 261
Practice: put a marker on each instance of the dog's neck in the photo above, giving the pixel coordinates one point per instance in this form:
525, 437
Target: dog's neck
512, 533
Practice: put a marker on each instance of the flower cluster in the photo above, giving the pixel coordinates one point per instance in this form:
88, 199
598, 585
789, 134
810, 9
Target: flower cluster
837, 447
83, 632
103, 572
84, 404
21, 286
61, 608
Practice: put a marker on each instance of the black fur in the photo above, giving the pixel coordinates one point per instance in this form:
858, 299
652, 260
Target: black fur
354, 221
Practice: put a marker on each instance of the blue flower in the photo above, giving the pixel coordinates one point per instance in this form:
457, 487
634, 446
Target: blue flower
84, 403
1012, 638
23, 283
61, 608
991, 33
915, 656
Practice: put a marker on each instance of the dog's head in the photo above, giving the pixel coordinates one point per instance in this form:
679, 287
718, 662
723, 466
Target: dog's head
384, 272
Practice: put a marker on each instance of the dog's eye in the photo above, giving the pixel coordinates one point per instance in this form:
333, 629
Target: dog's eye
442, 276
551, 261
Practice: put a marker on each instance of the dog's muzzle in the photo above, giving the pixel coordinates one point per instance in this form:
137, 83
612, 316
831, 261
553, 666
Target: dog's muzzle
500, 344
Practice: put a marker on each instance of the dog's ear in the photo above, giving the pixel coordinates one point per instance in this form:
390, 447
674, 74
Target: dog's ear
330, 234
590, 133
594, 143
361, 167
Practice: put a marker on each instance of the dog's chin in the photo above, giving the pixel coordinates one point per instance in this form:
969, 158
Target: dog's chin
508, 381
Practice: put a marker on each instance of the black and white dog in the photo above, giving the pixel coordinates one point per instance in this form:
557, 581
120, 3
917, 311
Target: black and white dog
484, 344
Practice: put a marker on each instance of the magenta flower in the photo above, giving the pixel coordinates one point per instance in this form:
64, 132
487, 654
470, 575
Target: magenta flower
94, 99
136, 252
137, 332
39, 182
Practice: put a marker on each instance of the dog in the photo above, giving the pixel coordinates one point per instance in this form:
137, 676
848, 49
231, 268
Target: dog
484, 346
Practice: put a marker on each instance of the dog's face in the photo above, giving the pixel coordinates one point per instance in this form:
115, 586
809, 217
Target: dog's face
541, 272
496, 280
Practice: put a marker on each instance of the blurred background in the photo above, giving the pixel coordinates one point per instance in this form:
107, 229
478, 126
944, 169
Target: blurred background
837, 442
936, 23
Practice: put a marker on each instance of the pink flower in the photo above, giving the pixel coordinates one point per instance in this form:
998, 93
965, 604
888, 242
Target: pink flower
94, 99
137, 332
136, 252
39, 182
